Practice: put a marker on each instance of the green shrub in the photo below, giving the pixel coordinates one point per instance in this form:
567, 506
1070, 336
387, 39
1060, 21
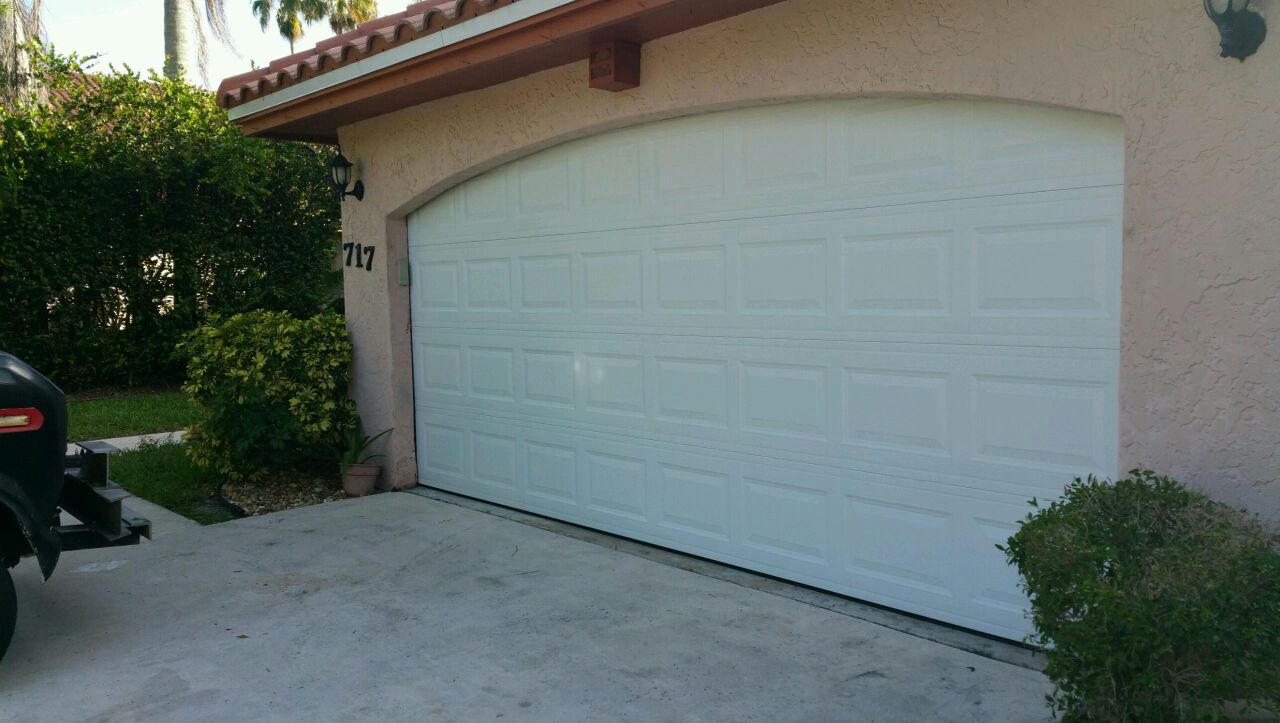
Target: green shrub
271, 392
132, 211
1152, 602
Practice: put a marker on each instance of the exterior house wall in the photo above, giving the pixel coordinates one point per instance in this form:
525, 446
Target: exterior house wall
1200, 379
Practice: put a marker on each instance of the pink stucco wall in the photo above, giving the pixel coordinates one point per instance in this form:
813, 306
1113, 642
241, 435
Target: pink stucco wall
1200, 380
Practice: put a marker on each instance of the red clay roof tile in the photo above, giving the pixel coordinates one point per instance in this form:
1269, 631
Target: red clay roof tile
419, 19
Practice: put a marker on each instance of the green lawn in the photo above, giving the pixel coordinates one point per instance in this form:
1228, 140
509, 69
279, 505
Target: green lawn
162, 474
127, 415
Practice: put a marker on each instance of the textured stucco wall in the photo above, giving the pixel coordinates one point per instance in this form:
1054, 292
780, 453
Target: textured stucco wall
1200, 384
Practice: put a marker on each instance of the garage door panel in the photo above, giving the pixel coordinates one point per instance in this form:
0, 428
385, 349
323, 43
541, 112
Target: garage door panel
1033, 272
785, 518
839, 342
1043, 421
891, 538
695, 497
1029, 420
842, 154
616, 484
1004, 468
693, 390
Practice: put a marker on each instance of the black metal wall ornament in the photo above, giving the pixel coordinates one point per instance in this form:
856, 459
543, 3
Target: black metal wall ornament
340, 173
1242, 29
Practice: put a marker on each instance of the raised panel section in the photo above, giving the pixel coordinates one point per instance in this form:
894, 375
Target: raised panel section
485, 197
439, 285
903, 545
898, 146
691, 280
543, 186
493, 459
786, 520
552, 471
548, 378
693, 391
439, 368
689, 165
694, 500
784, 277
615, 384
784, 399
1041, 421
546, 283
616, 484
489, 285
1029, 145
897, 409
614, 281
995, 586
492, 373
784, 148
1054, 269
611, 176
445, 449
900, 275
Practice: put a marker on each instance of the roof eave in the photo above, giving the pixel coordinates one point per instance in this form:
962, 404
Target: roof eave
500, 46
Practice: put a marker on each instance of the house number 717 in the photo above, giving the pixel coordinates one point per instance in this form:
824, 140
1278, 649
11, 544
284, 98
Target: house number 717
363, 255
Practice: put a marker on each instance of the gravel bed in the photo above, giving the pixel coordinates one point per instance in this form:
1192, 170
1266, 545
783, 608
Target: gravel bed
281, 493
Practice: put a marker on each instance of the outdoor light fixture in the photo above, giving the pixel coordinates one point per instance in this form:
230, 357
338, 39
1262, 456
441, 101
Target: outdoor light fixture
1242, 29
340, 170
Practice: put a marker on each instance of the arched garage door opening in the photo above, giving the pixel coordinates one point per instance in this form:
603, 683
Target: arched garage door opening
840, 342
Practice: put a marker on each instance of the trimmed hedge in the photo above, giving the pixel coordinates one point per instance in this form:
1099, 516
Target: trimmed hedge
133, 211
1153, 602
271, 393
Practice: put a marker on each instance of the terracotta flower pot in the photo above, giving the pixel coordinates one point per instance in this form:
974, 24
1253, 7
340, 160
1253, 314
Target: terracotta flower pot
360, 479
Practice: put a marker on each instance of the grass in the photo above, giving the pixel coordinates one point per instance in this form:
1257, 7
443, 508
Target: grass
162, 474
127, 415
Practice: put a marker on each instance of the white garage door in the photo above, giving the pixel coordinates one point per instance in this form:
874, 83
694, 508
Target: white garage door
840, 342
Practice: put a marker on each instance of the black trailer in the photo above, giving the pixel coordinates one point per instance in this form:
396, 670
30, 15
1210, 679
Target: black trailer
41, 486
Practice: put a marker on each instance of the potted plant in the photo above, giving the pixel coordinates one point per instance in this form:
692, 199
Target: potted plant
358, 476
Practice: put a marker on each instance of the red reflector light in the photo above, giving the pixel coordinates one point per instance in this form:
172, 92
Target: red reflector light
27, 419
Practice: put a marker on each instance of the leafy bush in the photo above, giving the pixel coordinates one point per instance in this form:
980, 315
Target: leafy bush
1153, 602
271, 392
133, 211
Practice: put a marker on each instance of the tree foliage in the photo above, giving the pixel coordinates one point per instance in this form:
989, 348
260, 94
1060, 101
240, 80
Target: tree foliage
132, 211
291, 15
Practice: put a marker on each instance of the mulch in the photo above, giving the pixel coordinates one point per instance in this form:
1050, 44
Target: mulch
283, 492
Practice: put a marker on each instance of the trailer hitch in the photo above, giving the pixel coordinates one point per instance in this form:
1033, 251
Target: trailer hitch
89, 495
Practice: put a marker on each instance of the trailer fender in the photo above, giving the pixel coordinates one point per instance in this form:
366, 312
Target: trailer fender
19, 525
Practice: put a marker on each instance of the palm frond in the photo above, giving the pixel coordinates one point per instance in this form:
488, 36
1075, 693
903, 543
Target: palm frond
345, 15
202, 45
215, 12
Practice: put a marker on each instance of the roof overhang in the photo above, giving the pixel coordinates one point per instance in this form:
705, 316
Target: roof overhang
503, 44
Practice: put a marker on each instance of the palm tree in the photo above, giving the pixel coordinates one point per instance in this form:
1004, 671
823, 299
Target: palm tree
19, 25
345, 15
180, 23
290, 15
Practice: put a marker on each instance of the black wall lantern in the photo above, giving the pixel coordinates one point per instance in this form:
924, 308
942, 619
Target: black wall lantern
340, 170
1242, 29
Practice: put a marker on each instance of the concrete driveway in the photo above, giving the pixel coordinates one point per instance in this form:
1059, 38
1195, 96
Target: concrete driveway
402, 607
